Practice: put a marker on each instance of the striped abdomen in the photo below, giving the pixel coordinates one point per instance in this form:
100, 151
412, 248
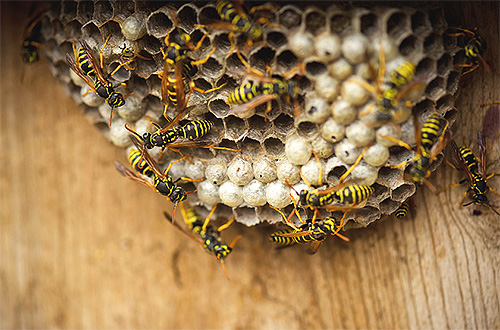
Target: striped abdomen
142, 167
353, 195
85, 63
402, 210
244, 93
430, 131
194, 129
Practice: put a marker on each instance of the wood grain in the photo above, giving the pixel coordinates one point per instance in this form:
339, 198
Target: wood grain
81, 247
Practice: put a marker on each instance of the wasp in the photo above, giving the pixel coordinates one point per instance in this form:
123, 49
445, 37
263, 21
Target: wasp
235, 19
403, 210
178, 43
264, 89
138, 162
431, 140
127, 56
86, 68
343, 195
475, 168
474, 46
31, 36
309, 232
390, 93
205, 234
161, 181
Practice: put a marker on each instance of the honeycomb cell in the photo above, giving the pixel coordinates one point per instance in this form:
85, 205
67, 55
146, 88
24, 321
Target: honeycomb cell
307, 129
194, 169
327, 47
310, 172
327, 87
276, 39
287, 171
118, 135
347, 152
322, 148
353, 92
289, 16
231, 194
301, 44
376, 155
103, 12
133, 27
369, 24
264, 170
277, 194
408, 46
316, 110
354, 48
397, 24
359, 134
343, 112
340, 69
158, 24
132, 110
298, 150
332, 131
274, 147
315, 21
208, 192
89, 97
254, 193
365, 174
240, 171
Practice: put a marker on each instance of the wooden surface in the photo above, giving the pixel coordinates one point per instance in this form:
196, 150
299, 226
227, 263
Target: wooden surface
79, 249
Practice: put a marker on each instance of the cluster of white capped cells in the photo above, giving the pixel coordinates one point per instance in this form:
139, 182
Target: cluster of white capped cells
340, 51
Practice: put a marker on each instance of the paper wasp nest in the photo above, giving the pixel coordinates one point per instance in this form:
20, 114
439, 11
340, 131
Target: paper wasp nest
335, 43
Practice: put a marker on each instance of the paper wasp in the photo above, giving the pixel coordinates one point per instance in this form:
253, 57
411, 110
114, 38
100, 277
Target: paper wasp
309, 232
88, 70
403, 210
390, 93
475, 46
161, 181
343, 195
235, 19
127, 56
173, 86
264, 89
205, 234
31, 36
475, 168
433, 130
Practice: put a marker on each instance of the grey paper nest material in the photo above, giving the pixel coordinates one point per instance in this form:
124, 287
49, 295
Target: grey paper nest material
335, 44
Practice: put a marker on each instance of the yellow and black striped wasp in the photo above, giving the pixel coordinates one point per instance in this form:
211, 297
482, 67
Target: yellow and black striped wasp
234, 19
431, 140
32, 35
263, 89
475, 168
127, 56
389, 94
403, 210
88, 70
474, 48
309, 232
343, 195
178, 66
159, 181
205, 234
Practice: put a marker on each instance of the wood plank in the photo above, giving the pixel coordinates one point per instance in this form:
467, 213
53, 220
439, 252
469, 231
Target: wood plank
81, 247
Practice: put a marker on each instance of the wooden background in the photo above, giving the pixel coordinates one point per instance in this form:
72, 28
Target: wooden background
79, 249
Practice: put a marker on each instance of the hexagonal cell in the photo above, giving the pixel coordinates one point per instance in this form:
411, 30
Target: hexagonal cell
286, 60
151, 44
122, 9
289, 17
408, 46
218, 107
369, 24
307, 129
402, 192
315, 68
340, 23
258, 126
444, 103
261, 58
158, 24
419, 22
274, 147
283, 123
186, 15
333, 176
433, 44
436, 18
396, 25
435, 88
315, 21
212, 68
235, 127
452, 82
252, 148
276, 39
68, 10
426, 68
89, 30
222, 44
103, 12
388, 206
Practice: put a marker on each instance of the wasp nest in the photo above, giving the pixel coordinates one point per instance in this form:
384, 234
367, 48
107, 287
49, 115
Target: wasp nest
340, 49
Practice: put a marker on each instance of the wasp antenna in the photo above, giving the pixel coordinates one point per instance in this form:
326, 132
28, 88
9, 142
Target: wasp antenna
224, 269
